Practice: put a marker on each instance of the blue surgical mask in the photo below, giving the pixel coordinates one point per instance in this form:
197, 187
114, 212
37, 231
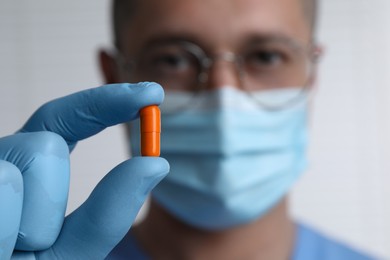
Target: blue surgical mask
231, 161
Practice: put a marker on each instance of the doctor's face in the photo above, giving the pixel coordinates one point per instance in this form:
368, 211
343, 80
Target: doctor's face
214, 27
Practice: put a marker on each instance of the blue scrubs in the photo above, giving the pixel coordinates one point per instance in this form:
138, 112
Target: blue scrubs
310, 245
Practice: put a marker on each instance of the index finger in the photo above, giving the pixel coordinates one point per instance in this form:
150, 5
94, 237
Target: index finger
86, 113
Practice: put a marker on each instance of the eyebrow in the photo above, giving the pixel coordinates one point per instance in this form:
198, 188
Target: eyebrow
172, 38
276, 38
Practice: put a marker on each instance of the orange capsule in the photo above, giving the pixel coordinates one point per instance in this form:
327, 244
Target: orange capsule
150, 130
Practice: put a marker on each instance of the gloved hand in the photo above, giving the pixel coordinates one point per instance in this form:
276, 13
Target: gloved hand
34, 177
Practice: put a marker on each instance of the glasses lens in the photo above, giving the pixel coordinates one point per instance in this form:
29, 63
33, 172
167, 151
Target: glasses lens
176, 67
171, 65
276, 67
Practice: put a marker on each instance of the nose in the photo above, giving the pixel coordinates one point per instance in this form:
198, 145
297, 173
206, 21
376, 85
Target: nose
223, 72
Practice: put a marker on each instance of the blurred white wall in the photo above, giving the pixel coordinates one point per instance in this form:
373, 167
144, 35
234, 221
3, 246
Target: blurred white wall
48, 49
346, 191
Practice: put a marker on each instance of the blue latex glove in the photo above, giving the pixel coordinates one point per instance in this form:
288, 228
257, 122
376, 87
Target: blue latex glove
34, 177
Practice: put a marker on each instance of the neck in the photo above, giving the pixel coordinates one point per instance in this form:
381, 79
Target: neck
163, 236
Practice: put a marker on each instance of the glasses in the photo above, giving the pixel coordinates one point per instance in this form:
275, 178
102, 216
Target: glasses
263, 68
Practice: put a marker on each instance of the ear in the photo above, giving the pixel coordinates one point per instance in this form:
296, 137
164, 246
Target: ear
316, 56
110, 72
108, 67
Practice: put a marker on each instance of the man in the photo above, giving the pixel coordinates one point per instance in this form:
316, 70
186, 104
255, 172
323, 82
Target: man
203, 209
236, 76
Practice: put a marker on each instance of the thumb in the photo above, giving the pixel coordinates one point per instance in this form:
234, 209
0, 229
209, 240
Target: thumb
98, 225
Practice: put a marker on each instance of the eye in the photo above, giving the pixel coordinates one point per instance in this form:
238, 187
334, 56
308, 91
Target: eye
170, 62
264, 59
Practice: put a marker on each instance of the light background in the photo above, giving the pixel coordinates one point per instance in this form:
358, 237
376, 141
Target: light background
48, 49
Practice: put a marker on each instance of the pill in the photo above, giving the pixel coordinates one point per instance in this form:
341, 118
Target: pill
150, 130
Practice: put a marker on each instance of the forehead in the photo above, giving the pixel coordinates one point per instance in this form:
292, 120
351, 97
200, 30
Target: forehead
215, 23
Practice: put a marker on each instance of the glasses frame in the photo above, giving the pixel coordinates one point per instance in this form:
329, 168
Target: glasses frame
206, 61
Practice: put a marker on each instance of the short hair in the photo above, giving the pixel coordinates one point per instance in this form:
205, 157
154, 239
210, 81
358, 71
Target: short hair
311, 13
122, 10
